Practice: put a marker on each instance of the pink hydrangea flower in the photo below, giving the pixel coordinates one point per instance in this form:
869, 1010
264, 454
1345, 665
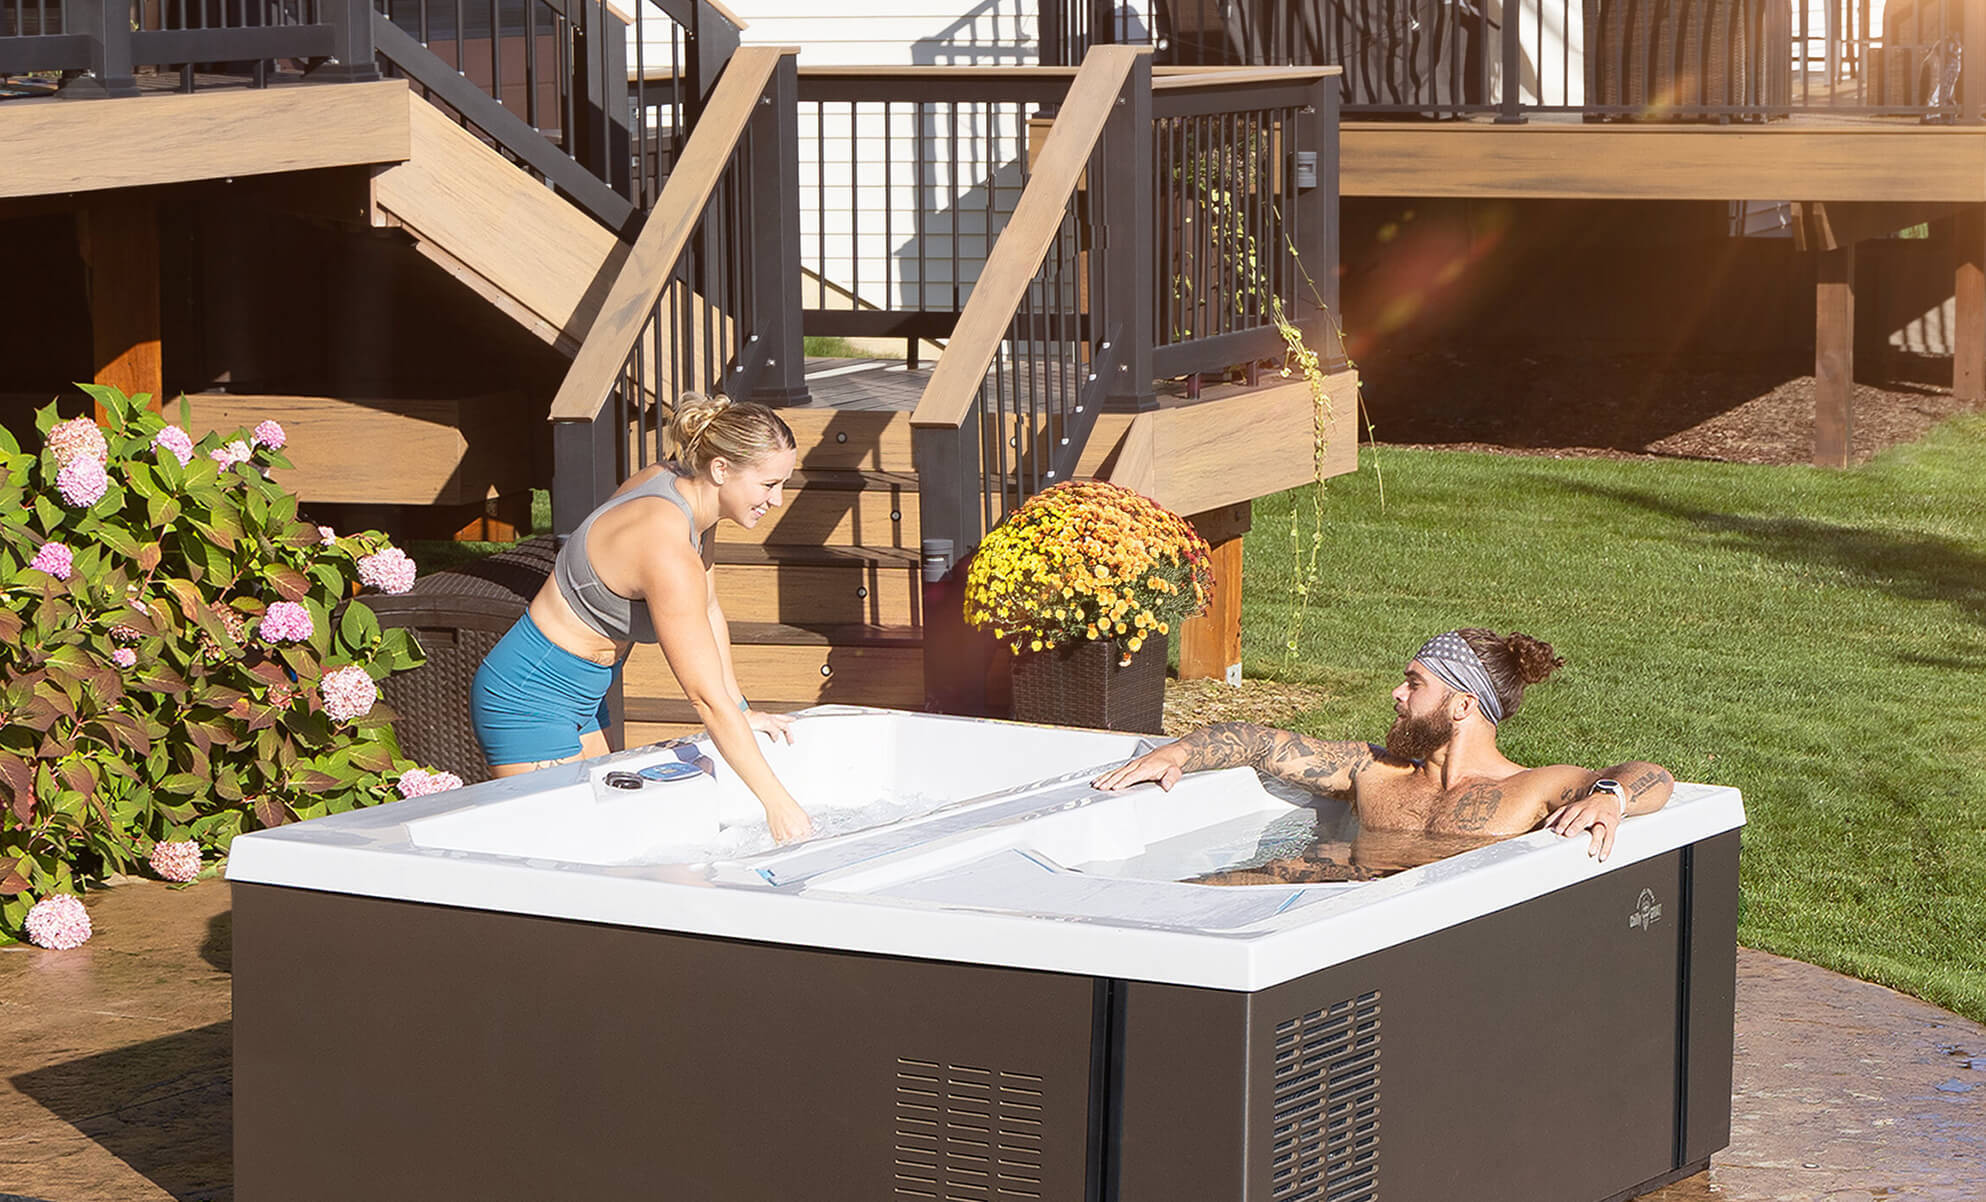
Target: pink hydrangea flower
176, 440
326, 536
59, 922
82, 482
286, 622
77, 438
389, 571
124, 657
55, 559
229, 455
419, 782
176, 861
269, 434
348, 693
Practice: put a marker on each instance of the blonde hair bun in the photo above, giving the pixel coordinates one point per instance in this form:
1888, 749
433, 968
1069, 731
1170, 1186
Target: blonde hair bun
704, 428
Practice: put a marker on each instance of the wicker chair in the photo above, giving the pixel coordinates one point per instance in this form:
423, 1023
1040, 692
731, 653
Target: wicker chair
458, 616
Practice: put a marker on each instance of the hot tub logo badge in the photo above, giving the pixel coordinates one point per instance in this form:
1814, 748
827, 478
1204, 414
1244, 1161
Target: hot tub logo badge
1647, 911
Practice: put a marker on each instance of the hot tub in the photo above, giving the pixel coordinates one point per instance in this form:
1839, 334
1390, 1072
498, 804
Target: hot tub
988, 985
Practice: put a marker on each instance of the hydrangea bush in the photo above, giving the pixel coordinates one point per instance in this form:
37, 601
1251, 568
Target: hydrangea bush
175, 667
1086, 561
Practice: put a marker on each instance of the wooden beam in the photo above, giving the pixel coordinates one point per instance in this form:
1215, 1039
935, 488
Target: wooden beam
119, 233
1654, 162
1834, 357
55, 146
1210, 645
1969, 283
386, 452
1830, 225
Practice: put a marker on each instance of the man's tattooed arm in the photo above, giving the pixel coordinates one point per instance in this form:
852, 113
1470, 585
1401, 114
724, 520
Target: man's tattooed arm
1322, 766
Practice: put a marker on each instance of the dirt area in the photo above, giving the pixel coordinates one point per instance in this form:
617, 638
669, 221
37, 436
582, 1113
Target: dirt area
1634, 406
1191, 704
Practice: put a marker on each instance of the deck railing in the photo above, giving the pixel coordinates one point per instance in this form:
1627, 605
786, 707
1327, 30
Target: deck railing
1166, 229
1601, 59
97, 45
707, 298
589, 96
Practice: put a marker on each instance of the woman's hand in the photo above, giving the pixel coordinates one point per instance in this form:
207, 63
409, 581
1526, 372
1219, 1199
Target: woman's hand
788, 822
779, 726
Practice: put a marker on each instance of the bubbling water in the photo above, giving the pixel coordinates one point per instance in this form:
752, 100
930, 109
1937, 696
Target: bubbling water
738, 840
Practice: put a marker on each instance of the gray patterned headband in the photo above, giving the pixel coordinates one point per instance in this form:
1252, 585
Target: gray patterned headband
1450, 657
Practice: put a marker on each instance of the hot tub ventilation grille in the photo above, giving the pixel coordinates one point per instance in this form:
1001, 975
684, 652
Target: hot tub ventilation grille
1327, 1104
966, 1134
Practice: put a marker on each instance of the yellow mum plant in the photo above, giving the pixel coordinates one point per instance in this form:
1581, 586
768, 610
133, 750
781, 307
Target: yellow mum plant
1086, 561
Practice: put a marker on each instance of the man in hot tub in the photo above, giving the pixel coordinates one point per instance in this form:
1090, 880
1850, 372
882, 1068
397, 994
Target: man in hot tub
1440, 774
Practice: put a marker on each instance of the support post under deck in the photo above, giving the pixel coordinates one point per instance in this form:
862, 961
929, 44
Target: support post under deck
119, 232
1969, 287
1210, 645
1834, 356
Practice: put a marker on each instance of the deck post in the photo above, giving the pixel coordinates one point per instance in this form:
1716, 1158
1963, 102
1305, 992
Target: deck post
1969, 287
1210, 645
119, 232
1509, 112
775, 231
583, 469
107, 25
353, 59
1130, 299
1316, 220
1834, 356
951, 493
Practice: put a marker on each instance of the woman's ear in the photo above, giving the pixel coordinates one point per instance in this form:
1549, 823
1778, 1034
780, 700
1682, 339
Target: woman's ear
720, 469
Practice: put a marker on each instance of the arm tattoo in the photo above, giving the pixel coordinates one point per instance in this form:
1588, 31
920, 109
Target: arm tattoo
1645, 782
1476, 806
1317, 765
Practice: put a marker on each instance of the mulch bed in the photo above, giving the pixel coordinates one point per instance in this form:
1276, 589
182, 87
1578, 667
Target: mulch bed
1631, 407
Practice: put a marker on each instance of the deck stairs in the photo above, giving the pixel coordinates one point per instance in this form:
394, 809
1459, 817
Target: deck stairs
823, 598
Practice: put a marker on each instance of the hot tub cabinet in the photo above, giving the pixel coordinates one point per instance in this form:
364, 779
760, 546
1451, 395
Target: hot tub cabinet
548, 987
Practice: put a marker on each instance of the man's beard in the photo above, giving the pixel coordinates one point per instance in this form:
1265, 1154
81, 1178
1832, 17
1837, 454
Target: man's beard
1419, 738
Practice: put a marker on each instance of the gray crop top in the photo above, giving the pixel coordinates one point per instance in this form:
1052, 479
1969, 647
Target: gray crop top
605, 611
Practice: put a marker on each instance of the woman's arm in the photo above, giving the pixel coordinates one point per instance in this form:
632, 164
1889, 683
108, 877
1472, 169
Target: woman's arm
779, 726
677, 591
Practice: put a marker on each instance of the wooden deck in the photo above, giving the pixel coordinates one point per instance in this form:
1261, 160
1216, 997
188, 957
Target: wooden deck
1563, 157
52, 146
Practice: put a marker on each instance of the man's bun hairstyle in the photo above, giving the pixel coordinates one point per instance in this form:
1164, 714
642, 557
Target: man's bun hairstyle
1513, 661
703, 428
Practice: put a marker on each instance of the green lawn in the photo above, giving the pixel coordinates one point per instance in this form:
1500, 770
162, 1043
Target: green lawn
1815, 638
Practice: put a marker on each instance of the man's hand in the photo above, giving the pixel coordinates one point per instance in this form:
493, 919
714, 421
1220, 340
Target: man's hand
1599, 813
779, 726
1164, 765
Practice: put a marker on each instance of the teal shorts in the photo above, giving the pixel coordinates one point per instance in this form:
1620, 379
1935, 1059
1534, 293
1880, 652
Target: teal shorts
533, 699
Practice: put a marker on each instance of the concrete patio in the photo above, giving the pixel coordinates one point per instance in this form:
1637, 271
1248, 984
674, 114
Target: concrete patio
115, 1073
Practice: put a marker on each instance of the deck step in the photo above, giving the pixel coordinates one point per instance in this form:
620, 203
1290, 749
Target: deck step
804, 675
825, 634
851, 438
836, 506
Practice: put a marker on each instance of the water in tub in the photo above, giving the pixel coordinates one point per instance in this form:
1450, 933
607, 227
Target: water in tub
1318, 840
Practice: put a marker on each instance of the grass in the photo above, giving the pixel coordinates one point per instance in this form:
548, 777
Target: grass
821, 346
1815, 638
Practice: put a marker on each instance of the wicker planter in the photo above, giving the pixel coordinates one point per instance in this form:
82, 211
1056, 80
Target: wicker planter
1084, 686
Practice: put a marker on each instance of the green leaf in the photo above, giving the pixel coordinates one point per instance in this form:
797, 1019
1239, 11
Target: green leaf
313, 780
45, 419
50, 513
286, 580
160, 678
359, 627
162, 512
118, 539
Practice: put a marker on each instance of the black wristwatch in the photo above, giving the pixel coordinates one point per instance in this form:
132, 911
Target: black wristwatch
1604, 785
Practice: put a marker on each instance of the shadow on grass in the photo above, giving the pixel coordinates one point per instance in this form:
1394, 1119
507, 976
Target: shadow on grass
165, 1107
1914, 567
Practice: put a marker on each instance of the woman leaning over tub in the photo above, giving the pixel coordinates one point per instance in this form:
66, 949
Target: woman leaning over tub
638, 569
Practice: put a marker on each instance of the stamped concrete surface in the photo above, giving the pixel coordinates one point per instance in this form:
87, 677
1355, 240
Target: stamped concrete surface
114, 1073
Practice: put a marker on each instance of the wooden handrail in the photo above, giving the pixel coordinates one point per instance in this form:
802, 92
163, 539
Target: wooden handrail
938, 71
952, 391
645, 273
1182, 80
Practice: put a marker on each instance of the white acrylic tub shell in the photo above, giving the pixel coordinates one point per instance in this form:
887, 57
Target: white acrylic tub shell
994, 849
